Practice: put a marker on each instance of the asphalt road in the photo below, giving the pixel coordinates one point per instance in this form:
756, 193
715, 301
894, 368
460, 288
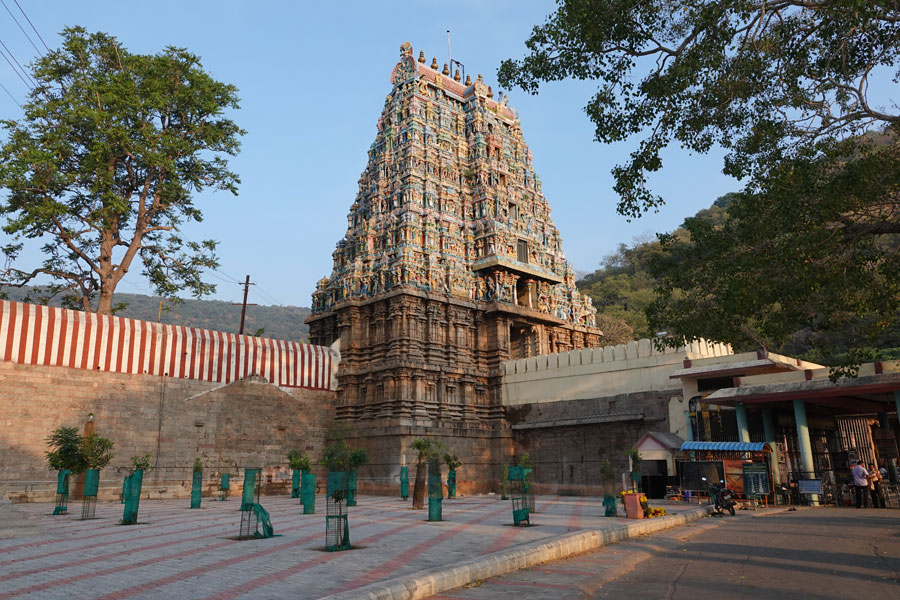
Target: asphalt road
820, 553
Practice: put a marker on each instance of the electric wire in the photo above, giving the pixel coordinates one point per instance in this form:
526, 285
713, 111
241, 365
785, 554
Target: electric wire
30, 85
10, 95
32, 25
22, 29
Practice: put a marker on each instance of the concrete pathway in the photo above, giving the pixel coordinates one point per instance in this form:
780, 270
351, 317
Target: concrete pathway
181, 553
16, 523
821, 553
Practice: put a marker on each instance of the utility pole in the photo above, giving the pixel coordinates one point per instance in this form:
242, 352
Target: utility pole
244, 304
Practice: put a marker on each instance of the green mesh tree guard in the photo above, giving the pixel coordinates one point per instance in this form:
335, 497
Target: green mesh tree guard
404, 482
197, 489
124, 494
351, 488
609, 505
528, 489
308, 492
337, 526
91, 487
133, 498
224, 485
263, 522
253, 516
295, 483
451, 484
435, 495
62, 492
516, 479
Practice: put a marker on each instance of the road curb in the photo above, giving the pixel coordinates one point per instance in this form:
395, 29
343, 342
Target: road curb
434, 581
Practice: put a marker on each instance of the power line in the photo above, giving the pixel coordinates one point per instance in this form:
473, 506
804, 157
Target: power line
10, 95
21, 28
30, 85
32, 25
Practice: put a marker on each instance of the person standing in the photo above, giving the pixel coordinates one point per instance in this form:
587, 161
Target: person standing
860, 484
875, 486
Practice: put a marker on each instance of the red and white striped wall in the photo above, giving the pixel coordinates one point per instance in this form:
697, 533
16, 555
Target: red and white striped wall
43, 335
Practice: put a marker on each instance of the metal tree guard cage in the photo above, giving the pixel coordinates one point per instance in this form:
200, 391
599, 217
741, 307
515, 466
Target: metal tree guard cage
337, 526
435, 494
197, 489
528, 489
91, 487
351, 488
295, 483
223, 487
308, 492
516, 478
249, 502
404, 482
610, 506
133, 498
62, 492
125, 481
451, 483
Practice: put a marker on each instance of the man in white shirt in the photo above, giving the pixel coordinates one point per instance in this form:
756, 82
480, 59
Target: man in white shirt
860, 484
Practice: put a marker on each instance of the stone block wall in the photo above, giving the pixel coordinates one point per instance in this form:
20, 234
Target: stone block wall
569, 440
247, 423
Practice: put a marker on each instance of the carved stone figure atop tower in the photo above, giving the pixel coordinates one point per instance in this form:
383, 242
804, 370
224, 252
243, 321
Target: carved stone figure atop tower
450, 264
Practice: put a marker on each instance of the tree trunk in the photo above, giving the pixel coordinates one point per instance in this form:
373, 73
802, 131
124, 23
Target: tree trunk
419, 490
104, 306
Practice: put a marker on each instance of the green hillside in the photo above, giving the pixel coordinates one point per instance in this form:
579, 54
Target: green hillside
279, 322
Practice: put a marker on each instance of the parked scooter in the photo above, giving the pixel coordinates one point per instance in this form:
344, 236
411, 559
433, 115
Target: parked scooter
722, 497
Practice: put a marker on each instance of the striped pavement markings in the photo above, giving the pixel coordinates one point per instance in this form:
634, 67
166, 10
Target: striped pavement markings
182, 553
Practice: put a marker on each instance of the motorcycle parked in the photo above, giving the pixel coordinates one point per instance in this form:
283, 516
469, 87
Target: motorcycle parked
722, 497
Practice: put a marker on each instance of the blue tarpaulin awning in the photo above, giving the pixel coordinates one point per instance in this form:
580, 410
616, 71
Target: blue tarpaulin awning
725, 446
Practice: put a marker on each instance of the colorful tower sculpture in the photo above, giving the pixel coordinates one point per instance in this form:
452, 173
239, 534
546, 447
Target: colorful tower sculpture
450, 265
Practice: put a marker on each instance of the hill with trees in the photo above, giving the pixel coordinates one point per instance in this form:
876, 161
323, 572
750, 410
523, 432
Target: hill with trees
277, 322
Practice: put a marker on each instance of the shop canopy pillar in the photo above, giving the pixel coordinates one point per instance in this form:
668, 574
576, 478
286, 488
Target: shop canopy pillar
743, 426
806, 456
897, 402
688, 426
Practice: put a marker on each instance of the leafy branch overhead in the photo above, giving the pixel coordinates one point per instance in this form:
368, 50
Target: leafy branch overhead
797, 94
766, 80
103, 165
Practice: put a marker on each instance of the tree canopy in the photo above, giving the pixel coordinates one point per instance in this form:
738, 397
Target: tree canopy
764, 79
793, 91
102, 166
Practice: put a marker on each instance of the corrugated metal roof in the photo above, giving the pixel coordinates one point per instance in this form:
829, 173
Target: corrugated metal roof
725, 446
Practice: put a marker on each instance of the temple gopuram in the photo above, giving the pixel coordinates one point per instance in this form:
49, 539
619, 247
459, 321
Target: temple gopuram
450, 265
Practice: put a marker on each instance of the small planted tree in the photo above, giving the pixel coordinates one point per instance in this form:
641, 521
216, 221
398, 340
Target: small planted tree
504, 483
131, 488
65, 450
608, 476
197, 483
453, 463
357, 459
424, 447
527, 464
435, 486
65, 458
97, 452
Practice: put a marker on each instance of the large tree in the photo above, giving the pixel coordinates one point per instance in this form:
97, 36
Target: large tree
103, 164
797, 93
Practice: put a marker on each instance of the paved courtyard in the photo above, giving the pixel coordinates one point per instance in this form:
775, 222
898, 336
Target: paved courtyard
181, 553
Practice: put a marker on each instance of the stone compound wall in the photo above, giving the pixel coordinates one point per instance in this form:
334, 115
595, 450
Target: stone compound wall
249, 423
173, 392
571, 411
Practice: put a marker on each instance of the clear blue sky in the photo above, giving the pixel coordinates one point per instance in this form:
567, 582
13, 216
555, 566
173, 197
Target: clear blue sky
312, 78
